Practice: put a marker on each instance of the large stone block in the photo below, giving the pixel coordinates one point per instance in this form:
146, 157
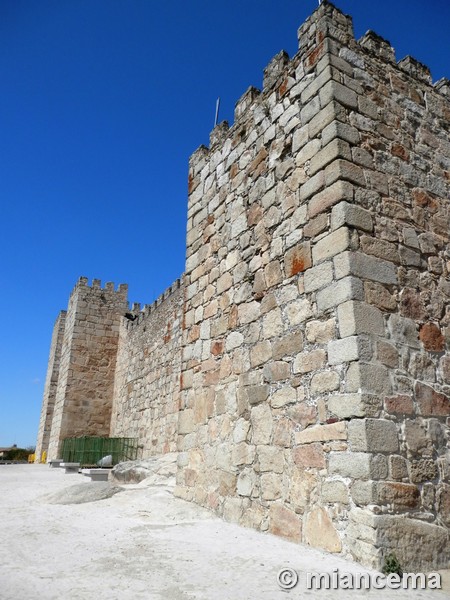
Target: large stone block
271, 486
289, 345
283, 396
306, 362
318, 277
351, 215
276, 371
261, 353
419, 546
364, 266
336, 129
255, 394
336, 91
334, 193
430, 402
270, 458
359, 317
346, 406
334, 490
399, 495
246, 482
325, 381
356, 465
322, 433
320, 332
349, 288
373, 435
333, 111
320, 532
337, 148
403, 331
345, 350
262, 424
370, 378
364, 492
242, 454
330, 245
186, 421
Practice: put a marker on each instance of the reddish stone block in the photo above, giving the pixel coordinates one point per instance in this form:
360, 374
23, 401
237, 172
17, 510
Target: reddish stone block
314, 56
212, 377
227, 483
233, 317
254, 214
259, 158
285, 522
217, 348
430, 402
283, 433
401, 495
309, 455
192, 184
213, 500
400, 151
424, 200
194, 333
234, 170
297, 259
411, 305
283, 87
399, 405
432, 338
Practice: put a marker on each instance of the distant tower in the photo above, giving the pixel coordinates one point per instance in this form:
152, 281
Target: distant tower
83, 363
51, 384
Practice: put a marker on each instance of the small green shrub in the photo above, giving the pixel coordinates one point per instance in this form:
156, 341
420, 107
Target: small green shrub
392, 565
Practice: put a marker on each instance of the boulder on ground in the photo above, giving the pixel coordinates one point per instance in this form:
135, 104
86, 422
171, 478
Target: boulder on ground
82, 492
157, 470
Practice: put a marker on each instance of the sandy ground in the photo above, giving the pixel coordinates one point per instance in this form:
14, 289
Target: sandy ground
144, 544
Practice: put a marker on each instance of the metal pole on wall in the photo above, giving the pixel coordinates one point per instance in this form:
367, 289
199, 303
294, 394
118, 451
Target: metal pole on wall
217, 111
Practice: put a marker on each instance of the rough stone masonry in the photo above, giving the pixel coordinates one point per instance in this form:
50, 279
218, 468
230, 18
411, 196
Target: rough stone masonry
301, 367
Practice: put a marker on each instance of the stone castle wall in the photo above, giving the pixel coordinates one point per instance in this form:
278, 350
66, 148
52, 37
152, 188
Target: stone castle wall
301, 369
146, 399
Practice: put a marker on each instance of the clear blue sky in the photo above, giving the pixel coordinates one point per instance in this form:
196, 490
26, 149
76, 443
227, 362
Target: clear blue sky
101, 104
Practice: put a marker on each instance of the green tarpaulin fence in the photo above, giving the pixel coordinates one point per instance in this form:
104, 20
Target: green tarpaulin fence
88, 450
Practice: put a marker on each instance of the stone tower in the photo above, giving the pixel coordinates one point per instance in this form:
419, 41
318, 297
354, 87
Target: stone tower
83, 356
315, 381
51, 384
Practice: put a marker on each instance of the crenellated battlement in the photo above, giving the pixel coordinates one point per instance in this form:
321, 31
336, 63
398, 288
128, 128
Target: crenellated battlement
109, 287
325, 32
140, 315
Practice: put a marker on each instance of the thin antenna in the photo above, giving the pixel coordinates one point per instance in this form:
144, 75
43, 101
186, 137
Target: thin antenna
217, 111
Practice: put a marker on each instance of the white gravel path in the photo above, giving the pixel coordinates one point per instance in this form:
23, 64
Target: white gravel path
143, 543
